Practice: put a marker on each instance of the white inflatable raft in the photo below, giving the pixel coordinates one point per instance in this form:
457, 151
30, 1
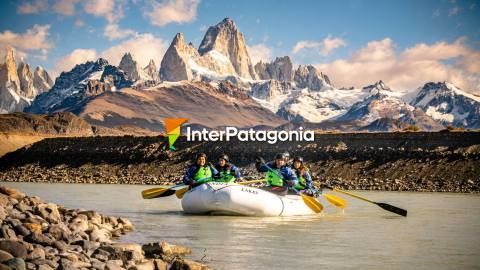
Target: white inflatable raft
234, 199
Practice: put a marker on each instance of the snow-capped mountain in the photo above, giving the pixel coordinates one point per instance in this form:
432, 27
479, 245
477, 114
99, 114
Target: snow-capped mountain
132, 69
19, 86
83, 81
448, 104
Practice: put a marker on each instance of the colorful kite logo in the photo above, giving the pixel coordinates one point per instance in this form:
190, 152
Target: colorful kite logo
172, 126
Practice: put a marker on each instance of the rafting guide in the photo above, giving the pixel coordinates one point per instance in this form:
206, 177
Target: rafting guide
269, 136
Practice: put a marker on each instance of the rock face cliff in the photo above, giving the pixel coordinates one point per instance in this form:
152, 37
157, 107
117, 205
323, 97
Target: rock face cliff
133, 71
176, 61
281, 69
152, 71
309, 77
226, 39
19, 86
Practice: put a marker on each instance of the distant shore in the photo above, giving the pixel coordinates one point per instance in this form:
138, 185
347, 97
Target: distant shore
416, 161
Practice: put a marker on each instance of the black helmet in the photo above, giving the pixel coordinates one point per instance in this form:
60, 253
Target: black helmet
201, 155
280, 156
300, 159
224, 157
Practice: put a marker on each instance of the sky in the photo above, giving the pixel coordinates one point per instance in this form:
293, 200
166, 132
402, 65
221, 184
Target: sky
404, 43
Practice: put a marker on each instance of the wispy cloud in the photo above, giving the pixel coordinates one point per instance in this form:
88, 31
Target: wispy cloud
325, 47
453, 11
409, 68
113, 31
260, 52
32, 7
172, 11
35, 40
436, 13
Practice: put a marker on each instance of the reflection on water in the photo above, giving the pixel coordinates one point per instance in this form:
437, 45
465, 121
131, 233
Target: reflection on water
442, 231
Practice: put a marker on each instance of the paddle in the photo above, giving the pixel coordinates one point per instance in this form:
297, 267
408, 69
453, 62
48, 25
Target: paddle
385, 206
311, 202
163, 191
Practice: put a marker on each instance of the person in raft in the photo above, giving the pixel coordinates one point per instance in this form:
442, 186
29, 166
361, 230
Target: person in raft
200, 172
305, 184
279, 176
227, 172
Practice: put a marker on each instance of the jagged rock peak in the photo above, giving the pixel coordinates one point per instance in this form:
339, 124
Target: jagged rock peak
25, 76
309, 77
281, 69
41, 80
152, 71
132, 69
379, 86
175, 62
228, 41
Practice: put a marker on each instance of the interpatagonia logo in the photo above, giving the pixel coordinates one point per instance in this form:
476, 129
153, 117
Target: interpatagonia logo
172, 126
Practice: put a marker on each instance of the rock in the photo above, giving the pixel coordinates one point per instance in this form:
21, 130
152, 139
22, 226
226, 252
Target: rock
160, 264
89, 247
175, 63
281, 69
164, 248
270, 89
152, 71
97, 264
10, 91
66, 265
37, 253
22, 230
41, 239
49, 212
123, 251
100, 235
30, 266
7, 233
228, 41
309, 77
79, 223
182, 264
114, 265
12, 192
59, 231
33, 227
4, 267
25, 76
147, 265
127, 225
132, 69
45, 267
5, 256
60, 245
16, 248
15, 264
4, 200
41, 80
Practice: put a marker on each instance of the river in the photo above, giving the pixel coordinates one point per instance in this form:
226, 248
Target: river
442, 230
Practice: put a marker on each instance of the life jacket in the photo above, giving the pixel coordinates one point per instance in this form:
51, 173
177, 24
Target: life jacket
226, 175
273, 178
302, 183
204, 174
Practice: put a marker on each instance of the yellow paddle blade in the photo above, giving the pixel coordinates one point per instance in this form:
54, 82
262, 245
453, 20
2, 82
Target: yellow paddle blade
154, 192
251, 182
179, 193
312, 203
337, 201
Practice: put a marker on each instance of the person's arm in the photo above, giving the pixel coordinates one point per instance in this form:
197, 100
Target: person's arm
188, 177
236, 172
308, 179
289, 176
215, 173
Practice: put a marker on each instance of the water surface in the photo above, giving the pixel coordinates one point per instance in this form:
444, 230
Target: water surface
442, 230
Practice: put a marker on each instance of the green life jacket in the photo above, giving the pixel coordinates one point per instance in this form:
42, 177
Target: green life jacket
204, 174
302, 183
226, 176
273, 178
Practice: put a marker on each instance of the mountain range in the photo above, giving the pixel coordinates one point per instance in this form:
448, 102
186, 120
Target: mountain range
217, 85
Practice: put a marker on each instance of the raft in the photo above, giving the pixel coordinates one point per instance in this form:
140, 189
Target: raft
216, 198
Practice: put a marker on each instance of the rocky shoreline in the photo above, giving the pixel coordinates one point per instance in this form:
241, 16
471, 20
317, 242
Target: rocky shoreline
38, 235
416, 161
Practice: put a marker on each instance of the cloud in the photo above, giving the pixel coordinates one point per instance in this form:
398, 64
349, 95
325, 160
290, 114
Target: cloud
112, 32
436, 13
79, 23
325, 47
65, 7
108, 9
260, 52
33, 7
409, 69
144, 47
33, 42
77, 56
172, 11
453, 11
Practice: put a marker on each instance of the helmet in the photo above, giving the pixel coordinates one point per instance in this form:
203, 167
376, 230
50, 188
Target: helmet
224, 157
201, 155
280, 156
299, 159
286, 155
